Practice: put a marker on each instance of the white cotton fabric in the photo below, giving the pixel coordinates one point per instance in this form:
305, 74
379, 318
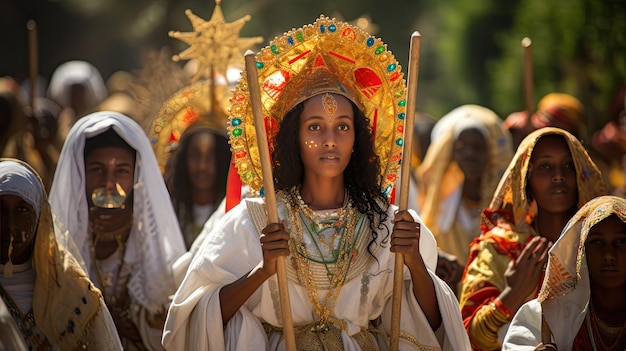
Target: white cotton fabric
231, 250
155, 241
21, 286
16, 179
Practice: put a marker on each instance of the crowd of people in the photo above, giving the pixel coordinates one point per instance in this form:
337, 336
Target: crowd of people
121, 231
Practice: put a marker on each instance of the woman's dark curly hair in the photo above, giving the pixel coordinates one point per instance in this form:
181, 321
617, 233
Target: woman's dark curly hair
361, 176
177, 174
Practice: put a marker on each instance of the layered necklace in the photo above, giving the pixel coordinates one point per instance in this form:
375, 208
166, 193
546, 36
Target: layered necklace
120, 236
600, 331
333, 237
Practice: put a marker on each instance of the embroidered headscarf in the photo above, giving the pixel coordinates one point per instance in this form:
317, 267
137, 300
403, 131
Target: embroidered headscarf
511, 191
155, 240
64, 299
566, 292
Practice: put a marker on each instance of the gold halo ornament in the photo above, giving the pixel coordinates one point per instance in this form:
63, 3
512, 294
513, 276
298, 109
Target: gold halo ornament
328, 56
195, 103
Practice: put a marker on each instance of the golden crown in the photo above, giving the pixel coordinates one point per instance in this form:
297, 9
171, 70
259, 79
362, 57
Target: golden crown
192, 104
326, 56
214, 44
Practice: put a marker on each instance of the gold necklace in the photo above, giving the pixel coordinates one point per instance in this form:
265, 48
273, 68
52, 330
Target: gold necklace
121, 237
336, 276
326, 218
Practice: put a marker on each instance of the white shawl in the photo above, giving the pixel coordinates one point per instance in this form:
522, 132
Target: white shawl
155, 241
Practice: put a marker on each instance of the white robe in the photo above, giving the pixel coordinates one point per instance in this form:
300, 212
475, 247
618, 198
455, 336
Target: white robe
524, 333
231, 250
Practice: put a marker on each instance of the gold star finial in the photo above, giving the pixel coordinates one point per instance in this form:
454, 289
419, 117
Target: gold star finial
214, 43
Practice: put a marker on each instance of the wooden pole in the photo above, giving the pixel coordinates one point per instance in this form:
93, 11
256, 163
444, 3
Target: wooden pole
270, 196
528, 76
405, 175
31, 26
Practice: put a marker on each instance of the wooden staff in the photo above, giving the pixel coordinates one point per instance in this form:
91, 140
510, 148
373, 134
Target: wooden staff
528, 76
405, 175
270, 196
31, 26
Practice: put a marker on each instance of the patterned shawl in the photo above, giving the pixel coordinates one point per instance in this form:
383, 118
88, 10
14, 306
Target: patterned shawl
64, 301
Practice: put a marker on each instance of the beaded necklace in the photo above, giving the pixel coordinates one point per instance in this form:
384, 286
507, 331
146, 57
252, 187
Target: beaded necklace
326, 218
341, 256
121, 237
596, 327
33, 337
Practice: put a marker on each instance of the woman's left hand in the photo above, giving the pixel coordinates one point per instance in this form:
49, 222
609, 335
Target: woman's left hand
405, 239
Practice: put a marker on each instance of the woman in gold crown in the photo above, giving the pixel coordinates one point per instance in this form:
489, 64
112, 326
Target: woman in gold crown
333, 100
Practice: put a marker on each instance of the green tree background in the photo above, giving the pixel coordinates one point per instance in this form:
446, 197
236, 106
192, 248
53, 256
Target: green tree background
470, 50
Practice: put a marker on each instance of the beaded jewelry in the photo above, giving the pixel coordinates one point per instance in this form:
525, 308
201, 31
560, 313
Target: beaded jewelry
599, 332
336, 259
326, 218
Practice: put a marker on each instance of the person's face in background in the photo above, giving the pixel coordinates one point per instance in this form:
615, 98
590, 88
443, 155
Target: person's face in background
18, 226
605, 249
552, 176
471, 153
201, 161
107, 167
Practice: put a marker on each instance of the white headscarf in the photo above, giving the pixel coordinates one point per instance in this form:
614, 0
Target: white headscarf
16, 179
155, 241
77, 72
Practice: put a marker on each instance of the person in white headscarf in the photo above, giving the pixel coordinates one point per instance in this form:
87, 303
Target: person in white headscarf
109, 192
77, 84
469, 151
44, 288
582, 302
78, 87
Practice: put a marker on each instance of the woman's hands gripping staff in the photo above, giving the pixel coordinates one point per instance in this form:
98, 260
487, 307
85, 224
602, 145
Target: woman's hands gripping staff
405, 240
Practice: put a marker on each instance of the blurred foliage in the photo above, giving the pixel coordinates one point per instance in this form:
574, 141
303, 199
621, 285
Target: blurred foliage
578, 47
470, 50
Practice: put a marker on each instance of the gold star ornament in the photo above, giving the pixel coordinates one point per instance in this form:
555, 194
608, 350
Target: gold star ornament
214, 43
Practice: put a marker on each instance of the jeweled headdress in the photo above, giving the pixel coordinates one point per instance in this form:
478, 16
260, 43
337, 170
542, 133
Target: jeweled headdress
326, 56
192, 104
215, 44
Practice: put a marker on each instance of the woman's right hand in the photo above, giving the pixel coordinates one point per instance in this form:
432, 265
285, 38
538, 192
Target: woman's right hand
274, 243
522, 275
